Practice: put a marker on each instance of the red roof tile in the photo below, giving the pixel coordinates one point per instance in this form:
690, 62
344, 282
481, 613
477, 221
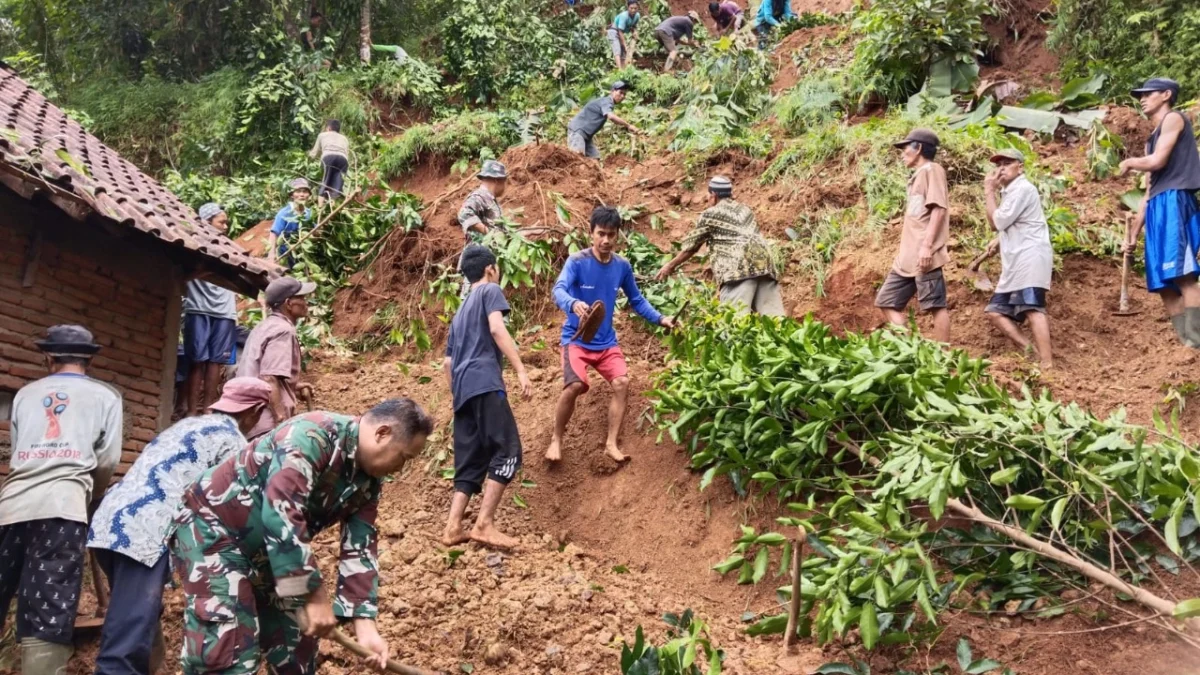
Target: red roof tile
45, 151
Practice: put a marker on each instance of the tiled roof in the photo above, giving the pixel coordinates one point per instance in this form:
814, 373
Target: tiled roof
44, 151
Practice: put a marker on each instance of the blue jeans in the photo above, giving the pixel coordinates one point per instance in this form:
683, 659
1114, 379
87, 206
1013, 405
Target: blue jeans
134, 608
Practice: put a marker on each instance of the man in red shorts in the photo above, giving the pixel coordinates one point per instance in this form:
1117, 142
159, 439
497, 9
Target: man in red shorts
595, 274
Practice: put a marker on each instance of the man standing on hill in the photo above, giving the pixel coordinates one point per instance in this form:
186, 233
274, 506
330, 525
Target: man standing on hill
591, 275
243, 540
130, 530
1026, 256
917, 269
624, 25
480, 212
65, 432
272, 352
487, 445
675, 31
742, 263
334, 150
582, 128
727, 15
209, 328
1169, 211
288, 220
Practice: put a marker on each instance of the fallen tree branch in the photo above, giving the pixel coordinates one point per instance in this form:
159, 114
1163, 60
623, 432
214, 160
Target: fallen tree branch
307, 235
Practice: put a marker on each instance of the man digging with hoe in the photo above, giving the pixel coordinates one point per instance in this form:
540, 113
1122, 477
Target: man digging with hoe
585, 290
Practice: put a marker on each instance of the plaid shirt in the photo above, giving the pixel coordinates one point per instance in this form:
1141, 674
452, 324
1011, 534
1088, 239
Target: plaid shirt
739, 251
275, 495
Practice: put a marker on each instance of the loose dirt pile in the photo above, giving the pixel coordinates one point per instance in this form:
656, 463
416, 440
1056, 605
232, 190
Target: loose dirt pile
1019, 53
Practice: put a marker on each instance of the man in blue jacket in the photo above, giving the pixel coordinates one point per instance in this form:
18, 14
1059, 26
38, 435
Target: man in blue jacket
771, 14
590, 275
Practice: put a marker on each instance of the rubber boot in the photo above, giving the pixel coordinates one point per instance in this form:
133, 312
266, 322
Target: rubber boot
1180, 323
1191, 327
39, 657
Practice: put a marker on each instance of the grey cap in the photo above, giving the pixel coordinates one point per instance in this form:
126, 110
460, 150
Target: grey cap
299, 184
68, 340
924, 136
694, 16
720, 186
286, 287
620, 85
210, 210
1156, 84
1008, 155
492, 169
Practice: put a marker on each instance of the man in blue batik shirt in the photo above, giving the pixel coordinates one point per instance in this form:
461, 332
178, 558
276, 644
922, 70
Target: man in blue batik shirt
131, 527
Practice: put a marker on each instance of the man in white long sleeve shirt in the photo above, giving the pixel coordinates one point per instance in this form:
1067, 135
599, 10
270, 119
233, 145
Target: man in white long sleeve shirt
66, 442
1026, 256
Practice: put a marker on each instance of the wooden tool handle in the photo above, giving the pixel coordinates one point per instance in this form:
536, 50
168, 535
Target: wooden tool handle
393, 665
1123, 304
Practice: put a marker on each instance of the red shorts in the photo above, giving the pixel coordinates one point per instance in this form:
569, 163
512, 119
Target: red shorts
610, 363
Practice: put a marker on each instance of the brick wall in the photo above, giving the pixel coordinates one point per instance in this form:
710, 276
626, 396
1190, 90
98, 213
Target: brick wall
118, 291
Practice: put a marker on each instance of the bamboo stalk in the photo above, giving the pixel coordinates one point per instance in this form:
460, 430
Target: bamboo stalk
789, 637
1162, 606
331, 214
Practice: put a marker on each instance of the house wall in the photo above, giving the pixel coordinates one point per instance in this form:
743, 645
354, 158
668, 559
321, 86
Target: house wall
128, 295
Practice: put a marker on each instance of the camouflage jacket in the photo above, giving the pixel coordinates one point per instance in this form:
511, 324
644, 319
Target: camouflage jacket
480, 207
275, 495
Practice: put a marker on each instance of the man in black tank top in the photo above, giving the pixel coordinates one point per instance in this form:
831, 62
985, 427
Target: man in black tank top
1169, 212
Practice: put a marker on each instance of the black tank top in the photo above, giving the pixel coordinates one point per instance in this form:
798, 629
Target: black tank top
1182, 171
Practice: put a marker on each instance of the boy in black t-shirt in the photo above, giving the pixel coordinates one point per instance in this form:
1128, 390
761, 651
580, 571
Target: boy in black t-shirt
487, 446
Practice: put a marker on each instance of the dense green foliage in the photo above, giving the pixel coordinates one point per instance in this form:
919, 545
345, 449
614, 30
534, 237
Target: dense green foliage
1130, 41
687, 647
901, 39
791, 408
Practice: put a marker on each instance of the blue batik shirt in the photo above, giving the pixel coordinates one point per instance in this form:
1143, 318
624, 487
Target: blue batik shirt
135, 517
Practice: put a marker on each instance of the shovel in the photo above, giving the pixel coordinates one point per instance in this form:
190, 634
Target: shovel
982, 282
1123, 308
348, 643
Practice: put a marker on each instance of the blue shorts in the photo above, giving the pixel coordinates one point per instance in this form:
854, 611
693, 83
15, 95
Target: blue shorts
208, 339
1172, 238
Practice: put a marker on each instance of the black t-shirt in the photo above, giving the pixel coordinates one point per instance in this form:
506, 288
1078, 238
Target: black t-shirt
475, 358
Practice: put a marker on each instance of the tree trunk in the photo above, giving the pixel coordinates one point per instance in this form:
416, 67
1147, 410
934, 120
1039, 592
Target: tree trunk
364, 34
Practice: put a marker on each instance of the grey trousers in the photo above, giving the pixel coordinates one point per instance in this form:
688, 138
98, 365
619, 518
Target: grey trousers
758, 294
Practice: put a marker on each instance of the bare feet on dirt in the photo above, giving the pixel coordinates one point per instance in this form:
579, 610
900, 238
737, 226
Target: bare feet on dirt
554, 452
490, 537
614, 453
454, 536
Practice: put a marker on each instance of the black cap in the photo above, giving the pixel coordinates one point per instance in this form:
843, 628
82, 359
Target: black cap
68, 340
924, 136
1157, 84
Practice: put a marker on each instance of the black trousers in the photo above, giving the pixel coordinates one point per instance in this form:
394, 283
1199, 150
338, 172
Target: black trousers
43, 559
335, 176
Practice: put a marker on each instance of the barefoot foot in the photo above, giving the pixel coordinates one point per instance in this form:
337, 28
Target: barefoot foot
614, 453
554, 452
490, 537
454, 535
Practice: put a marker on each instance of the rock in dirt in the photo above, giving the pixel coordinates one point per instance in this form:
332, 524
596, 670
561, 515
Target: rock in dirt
494, 559
495, 654
543, 600
399, 607
573, 551
604, 637
553, 651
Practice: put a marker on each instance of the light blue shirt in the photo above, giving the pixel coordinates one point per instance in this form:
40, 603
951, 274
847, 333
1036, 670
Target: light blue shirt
626, 22
135, 517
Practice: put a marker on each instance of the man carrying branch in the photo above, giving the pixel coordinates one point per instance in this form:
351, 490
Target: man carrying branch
742, 263
591, 277
1169, 211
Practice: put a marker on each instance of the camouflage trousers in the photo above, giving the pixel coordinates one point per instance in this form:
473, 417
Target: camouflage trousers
233, 617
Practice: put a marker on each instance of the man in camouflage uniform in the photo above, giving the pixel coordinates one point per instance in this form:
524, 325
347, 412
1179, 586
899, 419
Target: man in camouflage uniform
481, 212
743, 264
242, 542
